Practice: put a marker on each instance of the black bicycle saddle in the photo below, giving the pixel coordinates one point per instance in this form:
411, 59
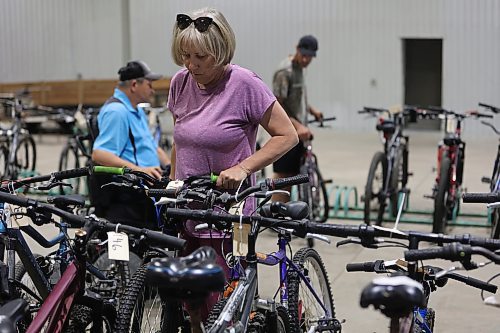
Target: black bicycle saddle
394, 296
190, 277
451, 139
387, 126
11, 313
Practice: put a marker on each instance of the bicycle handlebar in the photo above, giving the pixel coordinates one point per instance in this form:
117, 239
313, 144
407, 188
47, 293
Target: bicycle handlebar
451, 252
481, 197
93, 222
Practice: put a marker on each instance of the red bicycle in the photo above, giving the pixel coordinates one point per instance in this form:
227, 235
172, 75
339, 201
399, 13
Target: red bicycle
450, 167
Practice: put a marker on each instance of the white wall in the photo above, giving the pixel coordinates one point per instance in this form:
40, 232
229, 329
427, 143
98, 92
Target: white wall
360, 42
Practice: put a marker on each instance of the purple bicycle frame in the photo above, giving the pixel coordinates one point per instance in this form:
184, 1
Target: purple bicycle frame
279, 257
55, 309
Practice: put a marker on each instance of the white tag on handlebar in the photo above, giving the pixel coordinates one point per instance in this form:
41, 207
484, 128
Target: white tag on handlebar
118, 246
240, 232
175, 184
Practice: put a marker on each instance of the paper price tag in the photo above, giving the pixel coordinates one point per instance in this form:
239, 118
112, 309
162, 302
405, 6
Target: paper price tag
240, 232
118, 246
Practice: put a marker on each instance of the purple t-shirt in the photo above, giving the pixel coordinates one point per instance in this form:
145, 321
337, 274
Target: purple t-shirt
216, 128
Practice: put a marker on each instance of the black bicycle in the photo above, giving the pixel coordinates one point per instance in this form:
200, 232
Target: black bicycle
388, 173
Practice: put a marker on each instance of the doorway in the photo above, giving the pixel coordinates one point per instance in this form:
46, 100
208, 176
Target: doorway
423, 64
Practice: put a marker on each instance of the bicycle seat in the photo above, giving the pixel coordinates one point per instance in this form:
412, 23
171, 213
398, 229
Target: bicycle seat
387, 126
394, 296
451, 139
64, 201
190, 277
11, 313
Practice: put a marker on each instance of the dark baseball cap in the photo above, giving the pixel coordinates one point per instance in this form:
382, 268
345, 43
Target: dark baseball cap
137, 69
308, 45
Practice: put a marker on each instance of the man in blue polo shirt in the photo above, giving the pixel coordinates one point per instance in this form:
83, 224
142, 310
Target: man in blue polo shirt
124, 140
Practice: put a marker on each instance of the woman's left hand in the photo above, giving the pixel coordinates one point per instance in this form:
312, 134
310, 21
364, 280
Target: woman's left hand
231, 178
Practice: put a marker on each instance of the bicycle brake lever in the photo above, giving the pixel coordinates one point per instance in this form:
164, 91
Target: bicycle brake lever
319, 237
48, 186
355, 240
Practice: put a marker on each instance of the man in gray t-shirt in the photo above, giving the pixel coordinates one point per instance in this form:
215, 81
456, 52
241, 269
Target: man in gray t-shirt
289, 89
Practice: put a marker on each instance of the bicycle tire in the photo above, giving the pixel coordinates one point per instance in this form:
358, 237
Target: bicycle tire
215, 312
405, 174
495, 224
69, 160
25, 155
132, 314
371, 194
4, 158
304, 308
80, 319
441, 207
396, 179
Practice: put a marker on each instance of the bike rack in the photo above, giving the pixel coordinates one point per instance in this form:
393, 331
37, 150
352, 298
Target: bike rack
341, 207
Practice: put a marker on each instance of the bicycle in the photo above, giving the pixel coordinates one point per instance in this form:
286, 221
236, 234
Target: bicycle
17, 146
494, 180
76, 148
404, 295
314, 192
450, 167
58, 301
388, 173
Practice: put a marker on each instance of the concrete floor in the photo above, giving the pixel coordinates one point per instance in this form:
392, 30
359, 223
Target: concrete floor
345, 158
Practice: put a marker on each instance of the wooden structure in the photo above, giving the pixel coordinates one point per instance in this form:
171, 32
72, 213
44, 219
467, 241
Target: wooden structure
71, 93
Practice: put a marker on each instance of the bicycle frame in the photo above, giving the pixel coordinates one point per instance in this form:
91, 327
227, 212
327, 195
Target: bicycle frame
243, 297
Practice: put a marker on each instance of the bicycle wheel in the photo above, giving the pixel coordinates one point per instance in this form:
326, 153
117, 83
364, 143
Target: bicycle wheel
141, 309
303, 308
25, 155
441, 202
396, 179
24, 279
69, 160
374, 198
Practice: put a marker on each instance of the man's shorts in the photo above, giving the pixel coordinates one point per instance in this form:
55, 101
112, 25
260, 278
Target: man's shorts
290, 162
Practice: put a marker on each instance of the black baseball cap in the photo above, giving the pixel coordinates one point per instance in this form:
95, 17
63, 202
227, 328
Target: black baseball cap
308, 45
137, 69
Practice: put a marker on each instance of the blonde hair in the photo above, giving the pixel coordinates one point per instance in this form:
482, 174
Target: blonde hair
218, 41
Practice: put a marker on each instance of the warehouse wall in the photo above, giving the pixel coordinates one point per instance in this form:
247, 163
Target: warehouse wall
360, 58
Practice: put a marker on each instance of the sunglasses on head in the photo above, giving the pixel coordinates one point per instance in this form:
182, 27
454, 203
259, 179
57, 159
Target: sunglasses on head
201, 23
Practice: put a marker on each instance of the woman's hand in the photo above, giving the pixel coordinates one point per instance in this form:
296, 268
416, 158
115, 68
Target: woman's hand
231, 178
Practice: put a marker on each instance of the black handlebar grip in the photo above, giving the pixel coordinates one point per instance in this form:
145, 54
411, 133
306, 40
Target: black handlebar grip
481, 197
157, 192
73, 173
415, 255
165, 240
368, 266
14, 199
285, 182
470, 281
